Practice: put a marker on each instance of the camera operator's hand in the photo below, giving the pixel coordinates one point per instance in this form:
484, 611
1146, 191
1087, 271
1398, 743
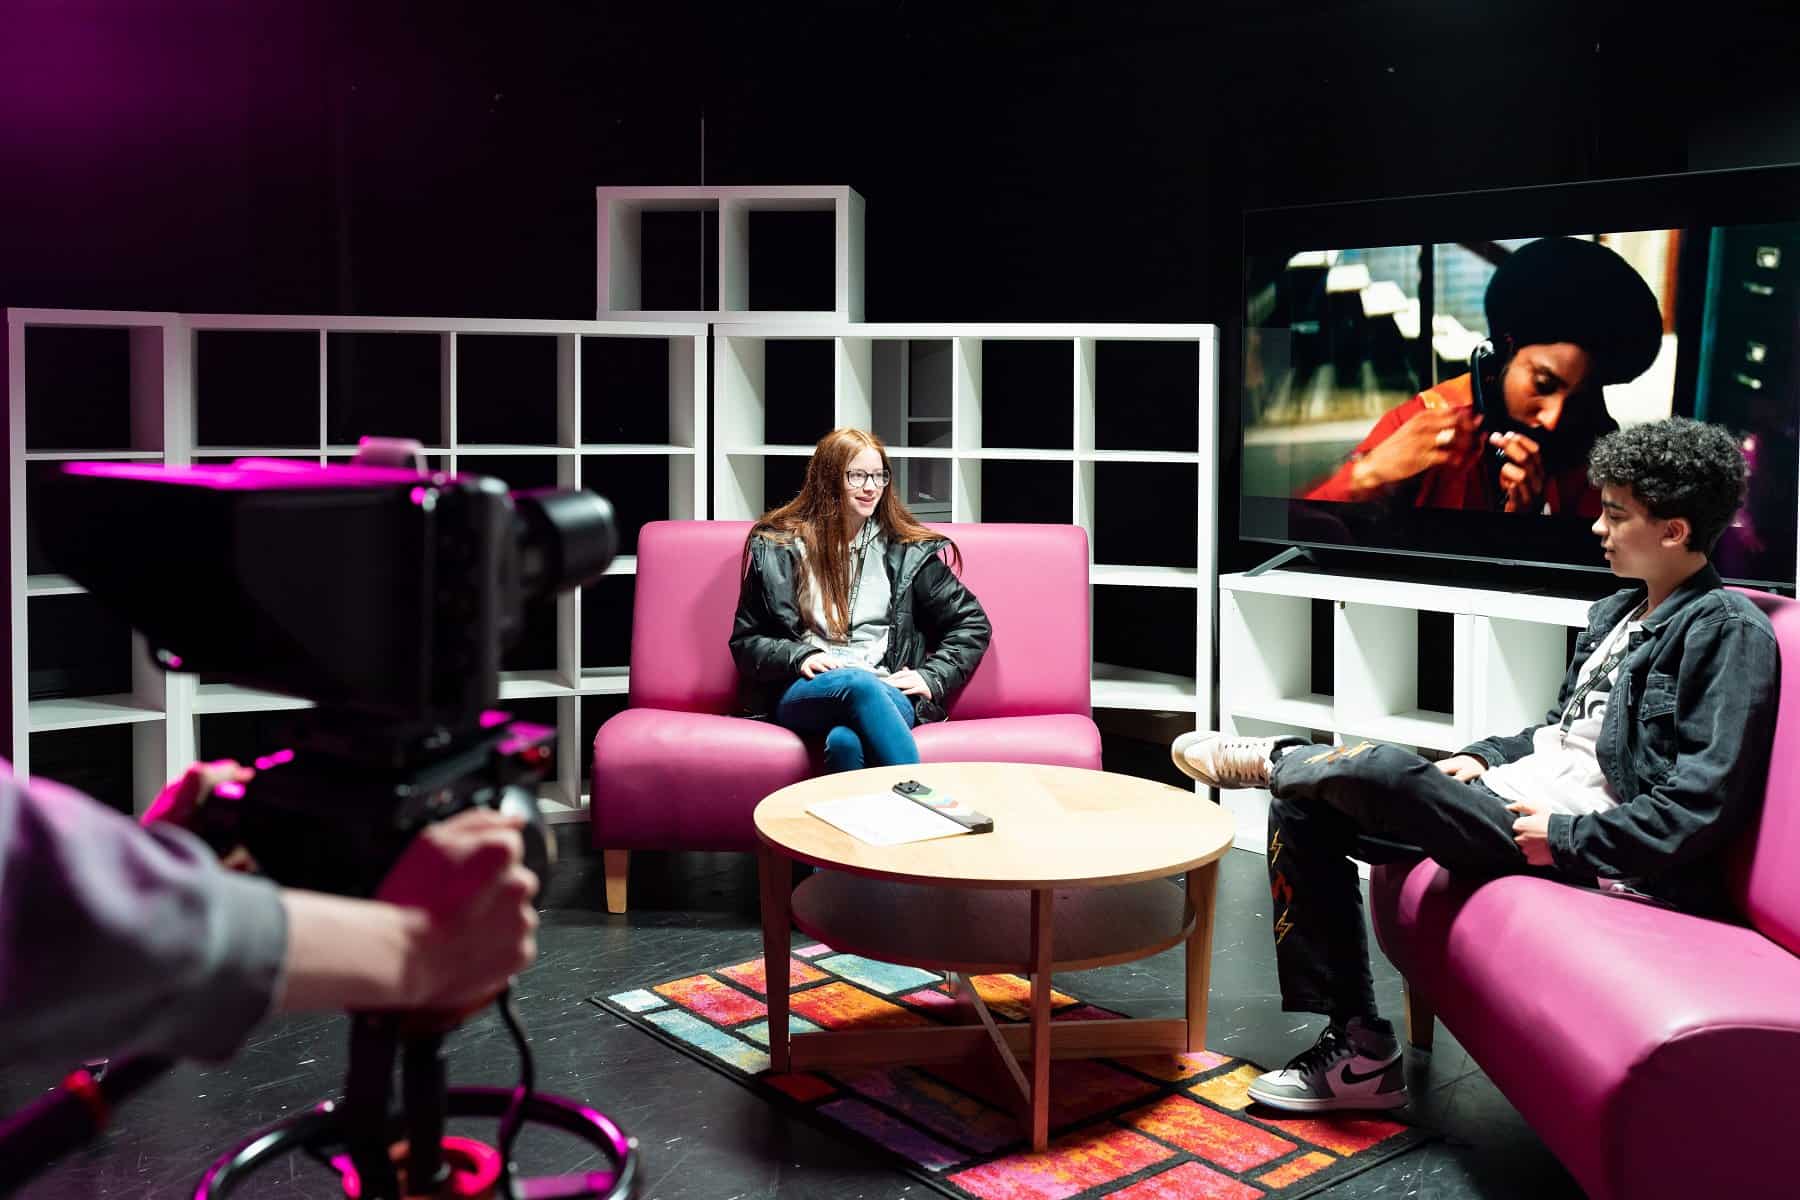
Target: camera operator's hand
466, 877
180, 802
450, 925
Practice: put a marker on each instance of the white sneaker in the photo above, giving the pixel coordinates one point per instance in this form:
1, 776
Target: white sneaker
1224, 762
1359, 1066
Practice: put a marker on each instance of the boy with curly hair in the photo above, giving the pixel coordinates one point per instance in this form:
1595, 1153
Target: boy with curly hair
1648, 766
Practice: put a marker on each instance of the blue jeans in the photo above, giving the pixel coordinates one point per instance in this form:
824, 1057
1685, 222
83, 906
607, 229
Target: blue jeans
866, 720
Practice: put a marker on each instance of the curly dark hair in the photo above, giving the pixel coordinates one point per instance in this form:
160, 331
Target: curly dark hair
1676, 468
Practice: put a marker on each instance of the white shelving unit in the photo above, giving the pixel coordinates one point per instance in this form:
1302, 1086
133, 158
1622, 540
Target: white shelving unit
620, 246
164, 396
920, 386
874, 386
1509, 654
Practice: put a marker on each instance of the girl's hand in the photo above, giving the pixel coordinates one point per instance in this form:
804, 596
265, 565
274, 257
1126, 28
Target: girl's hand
818, 662
910, 682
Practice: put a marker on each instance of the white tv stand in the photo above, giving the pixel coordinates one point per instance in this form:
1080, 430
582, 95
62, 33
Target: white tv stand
1509, 652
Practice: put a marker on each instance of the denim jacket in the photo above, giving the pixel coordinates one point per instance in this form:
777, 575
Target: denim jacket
1684, 744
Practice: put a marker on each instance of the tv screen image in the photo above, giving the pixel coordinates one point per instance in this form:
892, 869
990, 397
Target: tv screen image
1440, 397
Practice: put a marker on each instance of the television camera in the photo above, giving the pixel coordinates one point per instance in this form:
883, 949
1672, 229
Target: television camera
386, 596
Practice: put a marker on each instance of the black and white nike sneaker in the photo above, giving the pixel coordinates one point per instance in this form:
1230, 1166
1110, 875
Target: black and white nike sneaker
1357, 1066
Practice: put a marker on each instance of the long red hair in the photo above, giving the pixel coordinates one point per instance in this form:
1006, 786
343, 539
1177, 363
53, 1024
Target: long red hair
821, 518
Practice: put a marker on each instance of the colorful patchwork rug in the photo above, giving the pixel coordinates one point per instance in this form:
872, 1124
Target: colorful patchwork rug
1152, 1128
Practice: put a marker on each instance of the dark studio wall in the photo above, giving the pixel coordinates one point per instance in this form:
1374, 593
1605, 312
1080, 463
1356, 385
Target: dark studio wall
1022, 162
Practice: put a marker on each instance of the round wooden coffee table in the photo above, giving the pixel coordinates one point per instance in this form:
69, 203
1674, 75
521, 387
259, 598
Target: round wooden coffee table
1075, 874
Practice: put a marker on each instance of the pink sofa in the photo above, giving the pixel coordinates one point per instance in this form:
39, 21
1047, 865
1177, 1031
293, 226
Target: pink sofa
676, 771
1657, 1054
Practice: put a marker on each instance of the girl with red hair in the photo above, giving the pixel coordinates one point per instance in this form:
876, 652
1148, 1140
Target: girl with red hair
851, 621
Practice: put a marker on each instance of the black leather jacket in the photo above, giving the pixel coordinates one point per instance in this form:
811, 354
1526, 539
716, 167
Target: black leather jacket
939, 628
1684, 744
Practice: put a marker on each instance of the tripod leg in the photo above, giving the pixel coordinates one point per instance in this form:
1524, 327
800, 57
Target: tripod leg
368, 1085
422, 1093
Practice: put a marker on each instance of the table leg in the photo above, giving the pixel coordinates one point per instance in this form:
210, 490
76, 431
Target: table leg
1202, 885
776, 877
1043, 903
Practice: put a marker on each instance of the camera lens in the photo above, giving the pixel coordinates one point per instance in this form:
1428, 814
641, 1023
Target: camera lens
567, 539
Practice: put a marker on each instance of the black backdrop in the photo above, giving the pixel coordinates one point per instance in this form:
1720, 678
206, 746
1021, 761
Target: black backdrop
1030, 161
1021, 162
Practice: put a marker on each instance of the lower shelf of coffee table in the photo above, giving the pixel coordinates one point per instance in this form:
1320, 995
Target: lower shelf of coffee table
984, 932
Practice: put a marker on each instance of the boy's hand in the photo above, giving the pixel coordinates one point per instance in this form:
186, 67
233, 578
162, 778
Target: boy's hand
1463, 767
1532, 832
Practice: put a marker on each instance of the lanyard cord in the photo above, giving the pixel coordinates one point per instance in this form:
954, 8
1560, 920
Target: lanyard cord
859, 546
1601, 673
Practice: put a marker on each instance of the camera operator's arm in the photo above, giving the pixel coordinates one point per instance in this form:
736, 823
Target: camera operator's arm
451, 924
116, 938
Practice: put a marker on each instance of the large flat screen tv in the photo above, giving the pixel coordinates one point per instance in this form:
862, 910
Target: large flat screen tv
1375, 332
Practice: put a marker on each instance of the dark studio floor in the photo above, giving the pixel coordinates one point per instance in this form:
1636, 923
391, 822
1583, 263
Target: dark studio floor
704, 1137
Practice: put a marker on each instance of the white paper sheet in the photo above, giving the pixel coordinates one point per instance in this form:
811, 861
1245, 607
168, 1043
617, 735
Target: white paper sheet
884, 819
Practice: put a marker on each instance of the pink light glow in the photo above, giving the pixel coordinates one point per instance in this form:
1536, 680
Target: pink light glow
526, 738
250, 474
475, 1168
276, 759
230, 789
491, 718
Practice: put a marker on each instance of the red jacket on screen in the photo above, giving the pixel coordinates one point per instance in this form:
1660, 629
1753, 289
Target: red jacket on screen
1460, 482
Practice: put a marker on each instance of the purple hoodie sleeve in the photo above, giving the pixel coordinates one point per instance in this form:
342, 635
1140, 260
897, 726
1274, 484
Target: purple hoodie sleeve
116, 938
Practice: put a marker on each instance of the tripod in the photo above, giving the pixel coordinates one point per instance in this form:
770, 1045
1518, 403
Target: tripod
384, 1153
379, 1152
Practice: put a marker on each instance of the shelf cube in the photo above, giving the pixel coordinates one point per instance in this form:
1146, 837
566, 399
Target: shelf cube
620, 247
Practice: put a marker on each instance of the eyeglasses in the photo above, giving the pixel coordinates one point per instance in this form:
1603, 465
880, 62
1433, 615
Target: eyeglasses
858, 479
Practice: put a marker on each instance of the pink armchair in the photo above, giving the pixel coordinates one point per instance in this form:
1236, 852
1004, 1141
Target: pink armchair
1657, 1054
676, 771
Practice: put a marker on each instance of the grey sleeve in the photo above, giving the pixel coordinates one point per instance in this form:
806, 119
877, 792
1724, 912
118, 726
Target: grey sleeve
116, 938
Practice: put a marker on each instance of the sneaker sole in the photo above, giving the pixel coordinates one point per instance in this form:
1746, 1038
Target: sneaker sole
1329, 1103
1182, 765
1177, 752
1192, 772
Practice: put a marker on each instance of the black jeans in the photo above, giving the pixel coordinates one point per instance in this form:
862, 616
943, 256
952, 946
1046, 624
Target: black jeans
1325, 798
